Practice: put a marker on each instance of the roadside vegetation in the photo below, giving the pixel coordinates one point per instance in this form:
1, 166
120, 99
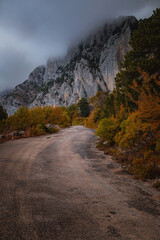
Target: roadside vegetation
35, 121
127, 120
29, 122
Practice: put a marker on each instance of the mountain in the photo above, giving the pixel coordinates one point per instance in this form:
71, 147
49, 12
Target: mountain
87, 68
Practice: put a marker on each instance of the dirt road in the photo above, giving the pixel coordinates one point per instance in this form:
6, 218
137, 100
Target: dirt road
60, 187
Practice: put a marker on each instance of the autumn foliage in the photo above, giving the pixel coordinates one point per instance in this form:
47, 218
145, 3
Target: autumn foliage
33, 121
132, 110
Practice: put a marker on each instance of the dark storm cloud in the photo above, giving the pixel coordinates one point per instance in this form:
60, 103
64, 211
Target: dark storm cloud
32, 31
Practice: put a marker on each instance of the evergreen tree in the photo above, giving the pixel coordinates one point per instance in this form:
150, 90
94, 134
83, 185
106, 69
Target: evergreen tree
144, 56
84, 107
3, 113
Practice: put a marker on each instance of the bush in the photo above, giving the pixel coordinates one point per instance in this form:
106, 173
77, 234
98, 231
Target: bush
65, 122
158, 146
78, 121
146, 166
2, 126
133, 130
141, 167
21, 119
40, 130
72, 112
30, 120
90, 122
107, 130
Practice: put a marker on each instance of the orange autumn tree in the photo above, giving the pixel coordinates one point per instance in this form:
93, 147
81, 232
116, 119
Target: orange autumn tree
140, 132
149, 99
143, 125
149, 103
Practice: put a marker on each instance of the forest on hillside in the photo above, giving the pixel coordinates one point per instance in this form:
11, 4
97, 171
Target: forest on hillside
126, 120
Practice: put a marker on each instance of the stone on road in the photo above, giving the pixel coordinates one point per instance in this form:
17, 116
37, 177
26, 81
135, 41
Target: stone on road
61, 187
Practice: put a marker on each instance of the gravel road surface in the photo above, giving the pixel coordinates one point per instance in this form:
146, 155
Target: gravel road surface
60, 187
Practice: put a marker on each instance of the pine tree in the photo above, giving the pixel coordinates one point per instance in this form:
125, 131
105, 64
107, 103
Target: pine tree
144, 56
84, 107
3, 113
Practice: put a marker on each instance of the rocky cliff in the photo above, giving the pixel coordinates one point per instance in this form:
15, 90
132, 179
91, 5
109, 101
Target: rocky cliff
89, 67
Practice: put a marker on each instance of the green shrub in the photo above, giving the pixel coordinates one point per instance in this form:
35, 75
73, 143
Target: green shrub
107, 129
40, 130
133, 129
78, 121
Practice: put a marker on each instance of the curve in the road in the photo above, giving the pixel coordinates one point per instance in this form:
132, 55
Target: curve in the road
61, 187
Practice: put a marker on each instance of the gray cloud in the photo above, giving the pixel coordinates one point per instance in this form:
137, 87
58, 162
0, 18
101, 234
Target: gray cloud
14, 68
32, 31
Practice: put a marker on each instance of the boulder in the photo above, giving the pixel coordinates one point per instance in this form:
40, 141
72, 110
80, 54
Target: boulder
56, 126
15, 133
18, 133
49, 126
21, 133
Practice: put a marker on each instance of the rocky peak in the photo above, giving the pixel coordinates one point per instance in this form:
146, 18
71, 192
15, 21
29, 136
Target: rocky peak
37, 76
89, 67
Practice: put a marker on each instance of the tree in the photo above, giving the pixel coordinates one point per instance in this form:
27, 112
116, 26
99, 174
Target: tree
21, 119
72, 112
84, 107
99, 100
144, 55
3, 113
98, 104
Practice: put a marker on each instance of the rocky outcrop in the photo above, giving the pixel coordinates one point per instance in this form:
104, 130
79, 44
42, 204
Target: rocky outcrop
25, 93
89, 67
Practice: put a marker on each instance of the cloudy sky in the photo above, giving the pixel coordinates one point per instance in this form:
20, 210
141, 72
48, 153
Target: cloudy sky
31, 31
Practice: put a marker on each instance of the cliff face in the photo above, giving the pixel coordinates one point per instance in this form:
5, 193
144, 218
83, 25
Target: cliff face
87, 68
